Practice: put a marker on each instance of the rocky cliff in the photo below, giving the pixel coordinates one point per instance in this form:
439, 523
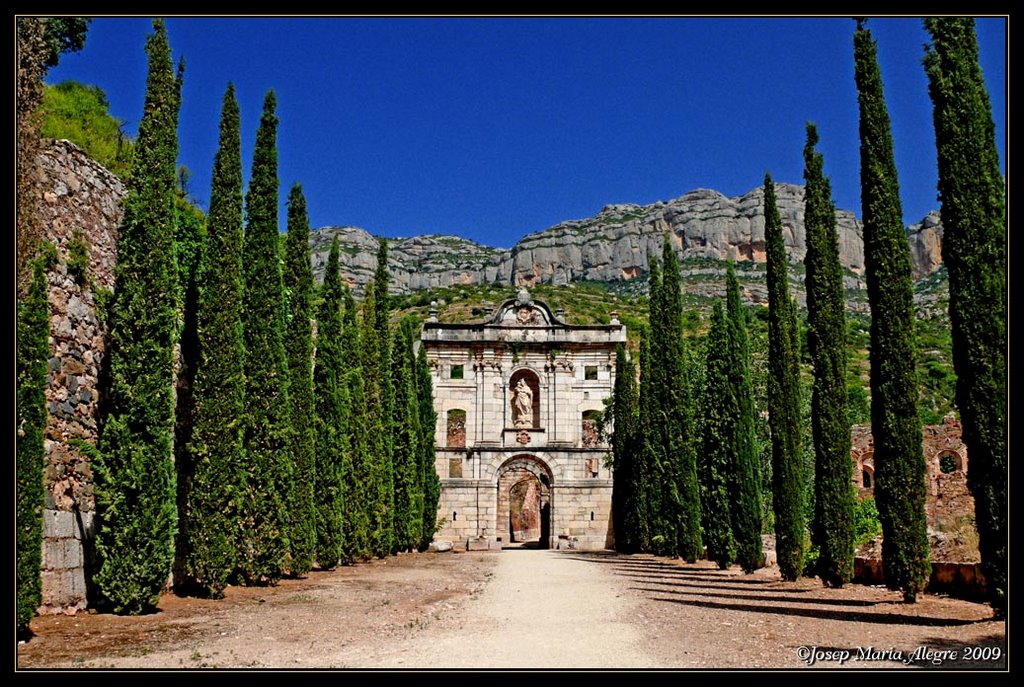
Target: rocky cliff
613, 245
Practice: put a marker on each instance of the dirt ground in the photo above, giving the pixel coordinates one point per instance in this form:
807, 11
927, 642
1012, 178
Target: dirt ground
531, 608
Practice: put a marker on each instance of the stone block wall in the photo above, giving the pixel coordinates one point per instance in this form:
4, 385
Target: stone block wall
583, 511
80, 204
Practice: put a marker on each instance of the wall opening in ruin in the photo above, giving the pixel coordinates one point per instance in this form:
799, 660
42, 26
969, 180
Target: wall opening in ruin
590, 423
524, 503
950, 462
456, 429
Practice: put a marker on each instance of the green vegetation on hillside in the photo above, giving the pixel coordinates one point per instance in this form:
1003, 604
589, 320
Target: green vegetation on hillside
81, 114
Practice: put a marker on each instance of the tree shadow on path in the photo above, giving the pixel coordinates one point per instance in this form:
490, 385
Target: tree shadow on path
677, 583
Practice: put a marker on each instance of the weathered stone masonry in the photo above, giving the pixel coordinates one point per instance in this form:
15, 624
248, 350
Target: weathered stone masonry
945, 454
79, 203
489, 444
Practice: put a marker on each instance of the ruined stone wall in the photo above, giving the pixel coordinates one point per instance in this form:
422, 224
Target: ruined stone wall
948, 499
79, 206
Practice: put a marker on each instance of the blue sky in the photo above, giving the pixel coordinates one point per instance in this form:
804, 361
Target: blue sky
494, 128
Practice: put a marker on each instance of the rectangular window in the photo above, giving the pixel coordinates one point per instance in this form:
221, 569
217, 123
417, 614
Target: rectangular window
590, 372
456, 372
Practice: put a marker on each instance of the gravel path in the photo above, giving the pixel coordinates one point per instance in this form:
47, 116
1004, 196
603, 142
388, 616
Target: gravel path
540, 609
532, 609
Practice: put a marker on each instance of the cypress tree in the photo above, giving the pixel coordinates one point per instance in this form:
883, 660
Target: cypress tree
33, 352
745, 484
361, 493
833, 530
428, 471
328, 477
899, 457
783, 398
381, 314
350, 350
134, 471
380, 480
643, 451
412, 405
218, 403
972, 192
680, 450
298, 344
406, 423
652, 421
626, 491
720, 413
267, 479
353, 522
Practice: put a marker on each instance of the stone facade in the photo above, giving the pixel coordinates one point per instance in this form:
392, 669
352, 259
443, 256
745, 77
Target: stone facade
516, 397
79, 208
945, 456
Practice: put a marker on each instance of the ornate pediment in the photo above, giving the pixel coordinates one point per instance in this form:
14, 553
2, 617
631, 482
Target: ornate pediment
523, 311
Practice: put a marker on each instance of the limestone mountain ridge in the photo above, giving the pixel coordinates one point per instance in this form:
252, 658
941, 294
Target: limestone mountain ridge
614, 245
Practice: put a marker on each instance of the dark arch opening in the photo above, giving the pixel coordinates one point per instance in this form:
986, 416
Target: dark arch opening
524, 502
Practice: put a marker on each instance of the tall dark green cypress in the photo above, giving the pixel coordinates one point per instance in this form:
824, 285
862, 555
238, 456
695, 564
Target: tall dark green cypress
406, 436
644, 494
746, 462
353, 481
680, 448
380, 478
973, 198
266, 484
218, 402
412, 405
899, 456
428, 471
625, 443
833, 530
298, 344
381, 314
330, 446
719, 410
783, 398
652, 421
361, 491
350, 350
135, 479
33, 351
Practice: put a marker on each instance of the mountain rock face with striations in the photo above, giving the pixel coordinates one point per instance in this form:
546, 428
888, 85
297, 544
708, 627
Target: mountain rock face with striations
614, 245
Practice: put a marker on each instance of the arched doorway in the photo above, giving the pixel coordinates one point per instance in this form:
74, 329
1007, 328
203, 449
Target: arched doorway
524, 503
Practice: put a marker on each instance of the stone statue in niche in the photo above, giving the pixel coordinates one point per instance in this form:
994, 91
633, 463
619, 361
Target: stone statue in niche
522, 405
